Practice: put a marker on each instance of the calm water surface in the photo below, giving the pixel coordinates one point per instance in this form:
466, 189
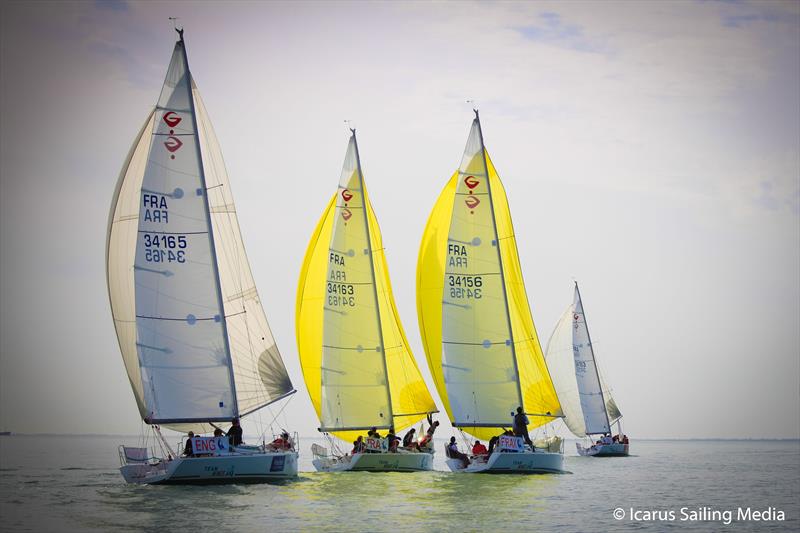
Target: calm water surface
70, 483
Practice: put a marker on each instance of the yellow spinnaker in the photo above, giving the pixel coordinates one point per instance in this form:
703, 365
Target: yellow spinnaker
483, 374
338, 232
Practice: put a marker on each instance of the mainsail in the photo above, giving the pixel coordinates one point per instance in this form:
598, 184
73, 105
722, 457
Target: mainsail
477, 329
191, 329
356, 361
585, 398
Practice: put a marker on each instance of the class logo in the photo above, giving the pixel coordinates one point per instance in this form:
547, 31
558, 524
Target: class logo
347, 195
346, 214
471, 182
172, 119
472, 201
173, 144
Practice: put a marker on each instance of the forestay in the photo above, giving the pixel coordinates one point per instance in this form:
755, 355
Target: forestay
478, 333
356, 361
185, 308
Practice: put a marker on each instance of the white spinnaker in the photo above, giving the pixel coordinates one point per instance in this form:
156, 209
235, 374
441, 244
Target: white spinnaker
355, 392
561, 363
586, 375
183, 351
259, 372
477, 347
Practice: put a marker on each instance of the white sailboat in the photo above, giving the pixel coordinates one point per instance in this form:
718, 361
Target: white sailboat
357, 364
585, 398
194, 339
477, 328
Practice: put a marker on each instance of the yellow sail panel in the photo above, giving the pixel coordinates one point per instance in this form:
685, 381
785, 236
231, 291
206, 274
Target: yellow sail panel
538, 393
310, 301
410, 397
430, 284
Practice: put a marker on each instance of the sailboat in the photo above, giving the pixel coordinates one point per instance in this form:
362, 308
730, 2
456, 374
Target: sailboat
476, 323
356, 361
194, 339
585, 398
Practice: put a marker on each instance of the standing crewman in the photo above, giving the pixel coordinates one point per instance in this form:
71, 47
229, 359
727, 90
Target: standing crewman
234, 434
521, 427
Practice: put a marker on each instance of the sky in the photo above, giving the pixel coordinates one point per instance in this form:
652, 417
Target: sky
650, 150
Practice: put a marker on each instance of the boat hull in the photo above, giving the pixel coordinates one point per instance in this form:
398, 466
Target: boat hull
249, 468
376, 462
604, 450
514, 463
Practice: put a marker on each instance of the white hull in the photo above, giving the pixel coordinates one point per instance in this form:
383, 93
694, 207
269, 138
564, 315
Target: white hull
376, 462
234, 468
604, 450
514, 463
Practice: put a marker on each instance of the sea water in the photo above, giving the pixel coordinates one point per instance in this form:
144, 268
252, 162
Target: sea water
71, 483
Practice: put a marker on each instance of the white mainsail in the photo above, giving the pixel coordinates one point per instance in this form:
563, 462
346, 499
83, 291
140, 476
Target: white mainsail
353, 363
478, 360
585, 398
193, 335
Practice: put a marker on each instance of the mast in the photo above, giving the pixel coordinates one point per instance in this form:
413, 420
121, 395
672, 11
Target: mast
214, 265
374, 280
594, 360
499, 260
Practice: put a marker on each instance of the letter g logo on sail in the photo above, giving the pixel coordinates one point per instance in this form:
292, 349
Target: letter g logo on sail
172, 119
471, 182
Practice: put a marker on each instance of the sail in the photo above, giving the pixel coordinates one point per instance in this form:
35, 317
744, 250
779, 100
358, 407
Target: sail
476, 324
586, 374
177, 274
612, 408
356, 361
259, 372
561, 362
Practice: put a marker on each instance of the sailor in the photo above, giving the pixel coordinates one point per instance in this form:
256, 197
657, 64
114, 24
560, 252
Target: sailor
492, 444
408, 439
521, 426
453, 453
235, 433
479, 449
281, 443
429, 434
187, 448
358, 445
393, 440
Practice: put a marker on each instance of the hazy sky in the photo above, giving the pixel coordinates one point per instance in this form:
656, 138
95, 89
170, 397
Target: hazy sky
650, 150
